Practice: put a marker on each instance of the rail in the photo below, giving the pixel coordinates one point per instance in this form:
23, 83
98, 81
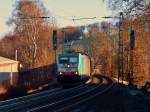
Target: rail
57, 99
27, 102
74, 100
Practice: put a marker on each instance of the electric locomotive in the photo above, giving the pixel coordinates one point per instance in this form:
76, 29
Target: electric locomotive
73, 67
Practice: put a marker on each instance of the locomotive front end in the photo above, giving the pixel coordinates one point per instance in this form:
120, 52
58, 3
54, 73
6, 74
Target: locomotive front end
67, 68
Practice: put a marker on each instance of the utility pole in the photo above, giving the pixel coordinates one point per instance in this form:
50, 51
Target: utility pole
131, 64
55, 42
55, 46
120, 48
16, 55
120, 51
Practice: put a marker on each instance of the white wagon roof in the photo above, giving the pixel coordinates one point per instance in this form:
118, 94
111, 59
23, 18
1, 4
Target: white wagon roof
4, 60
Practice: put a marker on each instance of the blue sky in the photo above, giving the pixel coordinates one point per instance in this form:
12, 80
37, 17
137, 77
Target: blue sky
63, 10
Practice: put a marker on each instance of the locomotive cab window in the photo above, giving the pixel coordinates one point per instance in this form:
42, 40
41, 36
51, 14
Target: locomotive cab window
64, 60
73, 59
67, 60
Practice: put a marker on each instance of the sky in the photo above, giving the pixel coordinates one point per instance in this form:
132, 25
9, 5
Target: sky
63, 10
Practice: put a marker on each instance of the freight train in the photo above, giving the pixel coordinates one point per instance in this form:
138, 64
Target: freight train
73, 67
26, 80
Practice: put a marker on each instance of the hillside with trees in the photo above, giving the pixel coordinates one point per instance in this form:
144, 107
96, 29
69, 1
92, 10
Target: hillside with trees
136, 16
32, 36
34, 24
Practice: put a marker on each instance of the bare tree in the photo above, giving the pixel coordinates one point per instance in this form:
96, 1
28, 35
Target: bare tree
32, 23
101, 51
128, 7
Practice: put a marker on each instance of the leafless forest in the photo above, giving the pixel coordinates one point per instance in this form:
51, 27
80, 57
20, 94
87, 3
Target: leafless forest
34, 24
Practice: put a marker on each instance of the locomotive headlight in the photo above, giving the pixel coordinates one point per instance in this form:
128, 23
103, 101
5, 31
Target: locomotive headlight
60, 73
76, 73
68, 66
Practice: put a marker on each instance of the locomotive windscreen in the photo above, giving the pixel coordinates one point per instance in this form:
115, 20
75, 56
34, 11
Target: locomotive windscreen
63, 60
67, 60
73, 59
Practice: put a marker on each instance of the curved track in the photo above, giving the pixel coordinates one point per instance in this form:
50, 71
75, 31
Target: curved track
57, 99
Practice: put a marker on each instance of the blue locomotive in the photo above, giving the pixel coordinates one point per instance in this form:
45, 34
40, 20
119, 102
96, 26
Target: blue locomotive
73, 67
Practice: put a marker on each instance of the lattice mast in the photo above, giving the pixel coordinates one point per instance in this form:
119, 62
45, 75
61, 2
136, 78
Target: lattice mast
120, 50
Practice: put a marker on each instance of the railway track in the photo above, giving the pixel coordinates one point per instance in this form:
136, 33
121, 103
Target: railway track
74, 101
56, 99
27, 103
10, 101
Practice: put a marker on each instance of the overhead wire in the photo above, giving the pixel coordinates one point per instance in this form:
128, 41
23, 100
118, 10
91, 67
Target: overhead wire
72, 16
73, 19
